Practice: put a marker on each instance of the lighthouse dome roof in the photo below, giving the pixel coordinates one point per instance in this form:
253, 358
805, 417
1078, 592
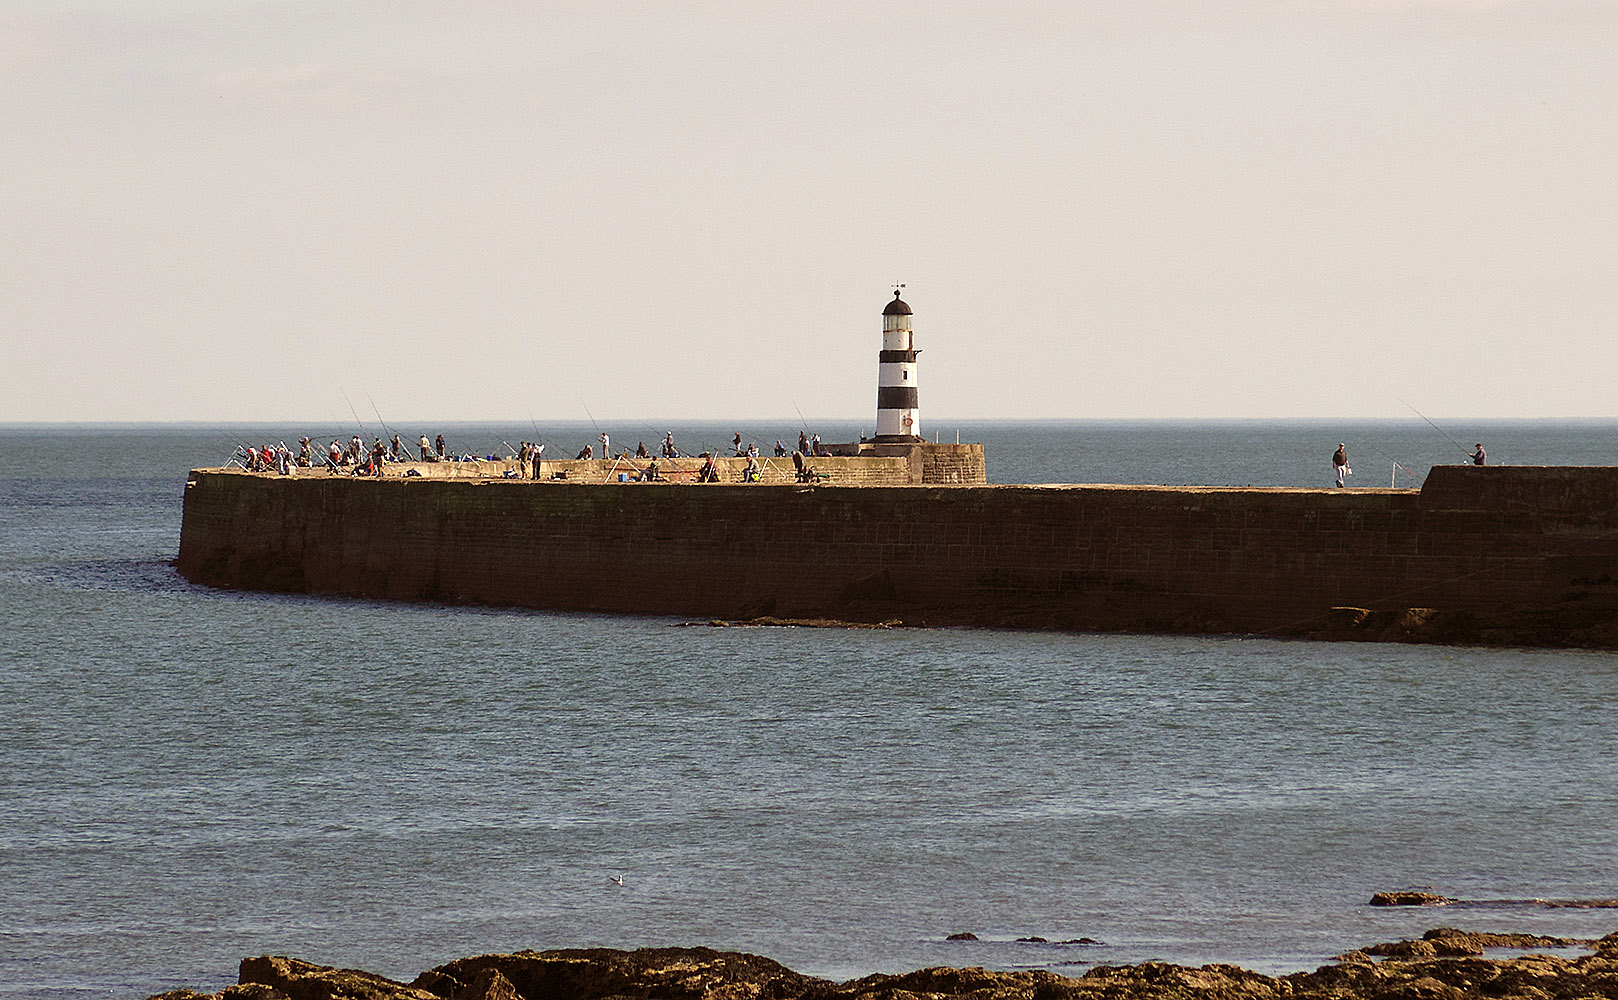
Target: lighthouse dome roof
897, 307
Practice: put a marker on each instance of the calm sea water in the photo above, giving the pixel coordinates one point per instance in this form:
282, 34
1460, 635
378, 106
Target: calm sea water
190, 776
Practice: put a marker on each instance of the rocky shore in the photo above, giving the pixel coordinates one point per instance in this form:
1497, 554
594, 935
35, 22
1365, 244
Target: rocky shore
1445, 963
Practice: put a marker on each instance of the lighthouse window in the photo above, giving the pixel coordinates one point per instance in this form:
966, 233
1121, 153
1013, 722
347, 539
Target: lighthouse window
906, 376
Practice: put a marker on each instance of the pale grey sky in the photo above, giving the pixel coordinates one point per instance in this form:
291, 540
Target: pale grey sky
478, 210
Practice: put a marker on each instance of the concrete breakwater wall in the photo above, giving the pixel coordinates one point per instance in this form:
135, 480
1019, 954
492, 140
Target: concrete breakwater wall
859, 464
1520, 555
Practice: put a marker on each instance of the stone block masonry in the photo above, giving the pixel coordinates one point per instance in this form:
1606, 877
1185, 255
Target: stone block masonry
861, 464
1479, 555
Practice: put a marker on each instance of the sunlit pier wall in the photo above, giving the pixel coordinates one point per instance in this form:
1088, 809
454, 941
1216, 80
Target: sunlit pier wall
1482, 541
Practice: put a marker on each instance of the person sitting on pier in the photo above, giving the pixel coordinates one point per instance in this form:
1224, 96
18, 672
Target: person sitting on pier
751, 473
669, 451
651, 475
710, 471
641, 452
587, 452
780, 449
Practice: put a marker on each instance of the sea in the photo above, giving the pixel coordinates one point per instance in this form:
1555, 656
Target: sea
190, 776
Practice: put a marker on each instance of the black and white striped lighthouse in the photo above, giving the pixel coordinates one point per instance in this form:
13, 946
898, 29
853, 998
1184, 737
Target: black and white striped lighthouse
898, 417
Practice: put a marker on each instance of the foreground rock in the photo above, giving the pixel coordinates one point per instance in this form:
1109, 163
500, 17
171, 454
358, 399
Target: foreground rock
1443, 965
1410, 899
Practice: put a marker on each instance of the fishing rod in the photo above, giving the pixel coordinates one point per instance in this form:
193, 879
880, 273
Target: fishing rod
599, 432
539, 438
1436, 428
803, 422
239, 455
390, 431
363, 432
1397, 465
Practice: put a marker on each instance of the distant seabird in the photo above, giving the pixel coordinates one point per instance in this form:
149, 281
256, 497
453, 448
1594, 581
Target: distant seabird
616, 880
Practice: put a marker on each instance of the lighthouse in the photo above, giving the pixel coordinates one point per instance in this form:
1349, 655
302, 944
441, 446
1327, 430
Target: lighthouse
898, 417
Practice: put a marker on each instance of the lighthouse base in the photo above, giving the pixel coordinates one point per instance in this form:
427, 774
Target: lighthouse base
930, 464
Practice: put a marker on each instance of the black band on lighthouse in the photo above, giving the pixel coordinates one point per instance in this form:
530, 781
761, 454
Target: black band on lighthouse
893, 357
895, 397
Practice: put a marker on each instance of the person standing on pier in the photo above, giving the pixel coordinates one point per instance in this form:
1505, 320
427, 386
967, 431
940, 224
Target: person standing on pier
1339, 461
1479, 457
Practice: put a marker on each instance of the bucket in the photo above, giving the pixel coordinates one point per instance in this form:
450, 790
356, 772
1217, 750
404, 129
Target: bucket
623, 477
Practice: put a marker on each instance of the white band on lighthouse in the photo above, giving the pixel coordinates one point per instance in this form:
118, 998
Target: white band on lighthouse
898, 415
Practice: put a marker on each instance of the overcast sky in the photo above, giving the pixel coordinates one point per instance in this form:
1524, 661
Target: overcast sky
227, 210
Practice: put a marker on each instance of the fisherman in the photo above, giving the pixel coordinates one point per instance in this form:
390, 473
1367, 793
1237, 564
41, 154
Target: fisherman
539, 450
606, 445
752, 449
669, 451
334, 454
1339, 462
439, 447
641, 452
397, 453
803, 442
780, 449
709, 472
751, 474
586, 452
303, 453
379, 454
250, 462
283, 459
816, 449
1478, 457
651, 475
737, 444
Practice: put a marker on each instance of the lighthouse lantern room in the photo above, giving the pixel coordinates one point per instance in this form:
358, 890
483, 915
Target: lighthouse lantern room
898, 417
